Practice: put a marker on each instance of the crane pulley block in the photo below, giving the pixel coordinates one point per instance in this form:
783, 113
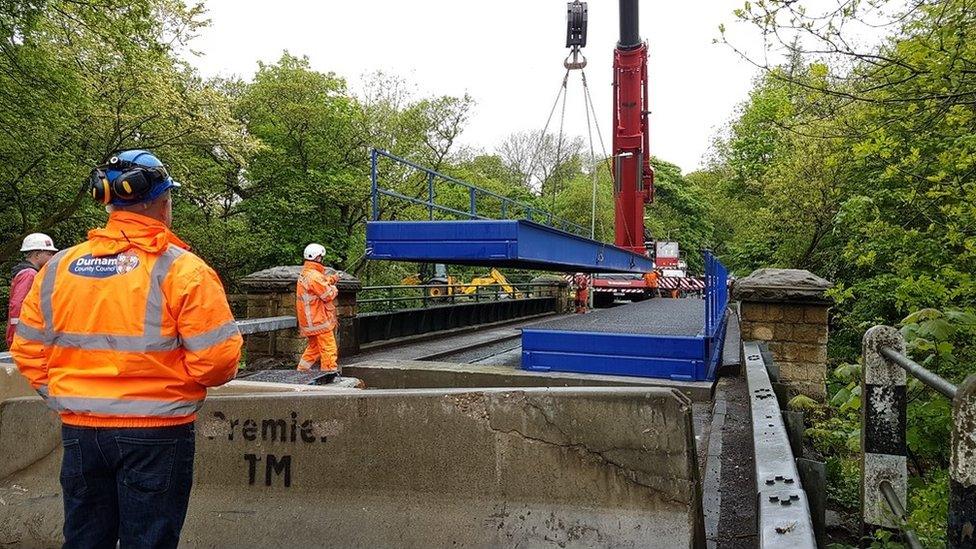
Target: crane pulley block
576, 24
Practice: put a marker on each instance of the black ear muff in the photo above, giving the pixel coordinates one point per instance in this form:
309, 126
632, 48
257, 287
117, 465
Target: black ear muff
132, 184
99, 186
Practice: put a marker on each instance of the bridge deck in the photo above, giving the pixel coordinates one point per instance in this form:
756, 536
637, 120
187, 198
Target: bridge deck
497, 243
663, 316
662, 338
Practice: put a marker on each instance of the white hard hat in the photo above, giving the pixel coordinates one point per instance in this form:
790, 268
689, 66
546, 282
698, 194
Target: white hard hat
313, 250
38, 241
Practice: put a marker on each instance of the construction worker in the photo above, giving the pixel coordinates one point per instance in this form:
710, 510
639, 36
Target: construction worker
38, 249
651, 280
122, 335
315, 296
582, 282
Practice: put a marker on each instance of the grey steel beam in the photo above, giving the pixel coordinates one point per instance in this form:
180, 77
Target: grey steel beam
784, 512
258, 325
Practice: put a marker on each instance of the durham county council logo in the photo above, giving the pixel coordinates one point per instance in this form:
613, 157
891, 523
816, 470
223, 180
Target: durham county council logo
103, 267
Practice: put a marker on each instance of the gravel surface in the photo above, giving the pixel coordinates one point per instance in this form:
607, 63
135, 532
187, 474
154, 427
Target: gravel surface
660, 316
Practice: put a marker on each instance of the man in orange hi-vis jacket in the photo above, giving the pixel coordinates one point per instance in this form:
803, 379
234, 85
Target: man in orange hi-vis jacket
122, 335
315, 303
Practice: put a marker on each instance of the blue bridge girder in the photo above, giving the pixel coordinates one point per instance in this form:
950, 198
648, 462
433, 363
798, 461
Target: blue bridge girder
498, 243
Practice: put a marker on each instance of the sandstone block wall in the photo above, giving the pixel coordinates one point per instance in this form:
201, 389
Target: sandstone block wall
797, 338
787, 309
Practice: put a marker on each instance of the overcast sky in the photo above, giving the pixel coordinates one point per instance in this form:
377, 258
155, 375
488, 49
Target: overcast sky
507, 54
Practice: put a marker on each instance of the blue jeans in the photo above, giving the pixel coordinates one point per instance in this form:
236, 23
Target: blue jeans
130, 485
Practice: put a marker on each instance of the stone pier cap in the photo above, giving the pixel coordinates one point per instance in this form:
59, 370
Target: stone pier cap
782, 285
568, 467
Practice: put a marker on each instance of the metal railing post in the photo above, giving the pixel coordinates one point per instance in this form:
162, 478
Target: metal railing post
961, 526
430, 196
883, 442
374, 191
473, 196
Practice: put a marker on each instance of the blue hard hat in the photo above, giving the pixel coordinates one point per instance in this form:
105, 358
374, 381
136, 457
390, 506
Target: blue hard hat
143, 159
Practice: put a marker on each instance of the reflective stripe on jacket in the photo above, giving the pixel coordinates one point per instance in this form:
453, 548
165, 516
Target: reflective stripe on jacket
315, 296
127, 329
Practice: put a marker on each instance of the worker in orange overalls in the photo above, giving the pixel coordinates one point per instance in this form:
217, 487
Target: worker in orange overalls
315, 303
581, 281
650, 280
122, 334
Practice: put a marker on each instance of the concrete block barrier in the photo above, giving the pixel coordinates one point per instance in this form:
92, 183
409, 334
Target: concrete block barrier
537, 467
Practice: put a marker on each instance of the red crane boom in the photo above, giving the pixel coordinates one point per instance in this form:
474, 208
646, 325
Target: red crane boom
633, 175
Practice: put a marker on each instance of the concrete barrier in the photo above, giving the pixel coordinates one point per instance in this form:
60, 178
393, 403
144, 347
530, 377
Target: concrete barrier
12, 384
416, 374
573, 467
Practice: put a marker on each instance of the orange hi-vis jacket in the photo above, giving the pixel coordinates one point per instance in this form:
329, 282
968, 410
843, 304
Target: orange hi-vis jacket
315, 299
127, 329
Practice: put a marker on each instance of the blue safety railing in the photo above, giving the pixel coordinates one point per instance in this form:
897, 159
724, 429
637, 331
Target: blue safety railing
716, 293
426, 198
716, 301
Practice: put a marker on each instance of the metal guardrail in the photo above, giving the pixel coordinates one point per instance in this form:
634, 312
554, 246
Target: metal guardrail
919, 372
427, 198
402, 296
250, 326
716, 302
884, 464
783, 509
716, 293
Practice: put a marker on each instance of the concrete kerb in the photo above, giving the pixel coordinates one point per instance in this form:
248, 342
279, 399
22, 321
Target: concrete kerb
412, 468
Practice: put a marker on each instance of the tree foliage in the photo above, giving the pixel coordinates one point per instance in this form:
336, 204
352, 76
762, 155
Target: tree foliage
856, 160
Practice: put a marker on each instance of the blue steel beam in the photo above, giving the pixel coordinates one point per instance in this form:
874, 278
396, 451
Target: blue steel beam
497, 243
643, 355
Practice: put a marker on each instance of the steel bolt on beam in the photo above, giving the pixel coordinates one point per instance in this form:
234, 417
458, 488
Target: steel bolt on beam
883, 442
962, 475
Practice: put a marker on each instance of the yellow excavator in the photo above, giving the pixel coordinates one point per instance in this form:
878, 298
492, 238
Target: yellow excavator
439, 283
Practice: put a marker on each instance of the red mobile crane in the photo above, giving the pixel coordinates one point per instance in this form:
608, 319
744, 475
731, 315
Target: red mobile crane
633, 176
632, 173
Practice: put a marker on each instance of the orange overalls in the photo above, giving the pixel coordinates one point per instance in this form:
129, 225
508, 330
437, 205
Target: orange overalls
582, 292
650, 280
315, 304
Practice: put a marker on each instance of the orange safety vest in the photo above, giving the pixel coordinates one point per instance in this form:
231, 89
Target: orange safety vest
315, 299
127, 329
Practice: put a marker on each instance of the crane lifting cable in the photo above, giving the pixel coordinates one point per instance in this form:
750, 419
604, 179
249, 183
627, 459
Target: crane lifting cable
576, 25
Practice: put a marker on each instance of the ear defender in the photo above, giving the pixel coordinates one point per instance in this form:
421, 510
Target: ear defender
99, 186
134, 182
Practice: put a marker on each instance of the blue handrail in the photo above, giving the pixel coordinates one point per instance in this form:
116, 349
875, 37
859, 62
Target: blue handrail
716, 301
716, 293
508, 206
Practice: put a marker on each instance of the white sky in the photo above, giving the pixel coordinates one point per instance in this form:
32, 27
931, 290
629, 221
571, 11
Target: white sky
507, 54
